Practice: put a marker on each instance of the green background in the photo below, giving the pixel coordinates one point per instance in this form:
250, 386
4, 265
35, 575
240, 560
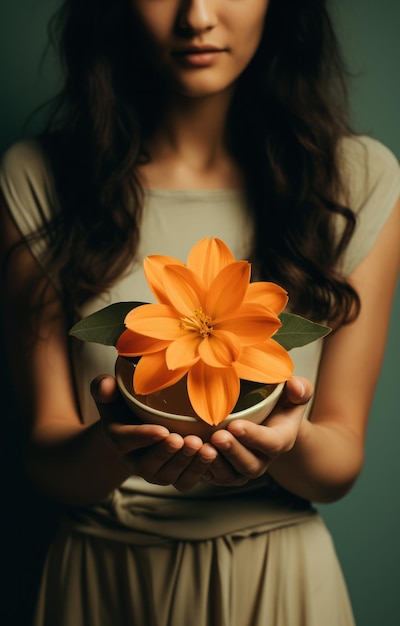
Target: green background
366, 523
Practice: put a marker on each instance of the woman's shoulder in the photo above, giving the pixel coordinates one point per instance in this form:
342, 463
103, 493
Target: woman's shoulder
25, 158
371, 177
27, 185
360, 148
369, 168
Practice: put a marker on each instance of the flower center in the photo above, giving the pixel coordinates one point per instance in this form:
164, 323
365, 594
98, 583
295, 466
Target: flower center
198, 322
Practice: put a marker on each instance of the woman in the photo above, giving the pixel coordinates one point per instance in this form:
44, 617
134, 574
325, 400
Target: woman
183, 119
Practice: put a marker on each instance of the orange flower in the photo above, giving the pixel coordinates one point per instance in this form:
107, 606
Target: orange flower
211, 324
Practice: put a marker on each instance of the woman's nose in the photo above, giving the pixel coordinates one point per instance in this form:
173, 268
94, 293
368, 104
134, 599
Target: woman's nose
197, 16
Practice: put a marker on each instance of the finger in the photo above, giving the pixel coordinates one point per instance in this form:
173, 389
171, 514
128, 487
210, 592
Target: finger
121, 429
148, 463
250, 448
104, 389
129, 438
298, 390
110, 403
200, 463
222, 473
171, 470
285, 420
245, 461
276, 436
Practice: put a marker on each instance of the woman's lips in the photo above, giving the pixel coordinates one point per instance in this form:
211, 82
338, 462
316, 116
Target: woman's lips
198, 57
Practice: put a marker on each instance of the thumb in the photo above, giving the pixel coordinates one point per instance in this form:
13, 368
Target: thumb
104, 389
110, 404
298, 390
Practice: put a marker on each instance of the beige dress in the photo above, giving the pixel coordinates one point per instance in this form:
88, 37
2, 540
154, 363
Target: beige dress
148, 555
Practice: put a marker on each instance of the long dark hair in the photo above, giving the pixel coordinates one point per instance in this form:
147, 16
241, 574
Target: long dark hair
287, 118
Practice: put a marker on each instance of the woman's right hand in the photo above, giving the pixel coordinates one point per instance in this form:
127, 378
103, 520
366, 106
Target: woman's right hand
149, 450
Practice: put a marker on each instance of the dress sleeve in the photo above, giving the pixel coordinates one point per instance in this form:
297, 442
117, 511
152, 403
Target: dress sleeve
28, 189
372, 180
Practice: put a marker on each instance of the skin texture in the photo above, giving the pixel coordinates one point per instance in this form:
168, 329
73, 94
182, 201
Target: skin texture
317, 459
177, 31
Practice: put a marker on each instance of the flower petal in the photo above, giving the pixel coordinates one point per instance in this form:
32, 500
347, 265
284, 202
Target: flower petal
220, 349
228, 289
183, 352
208, 257
132, 344
265, 363
185, 290
159, 321
153, 266
251, 323
268, 294
152, 374
213, 391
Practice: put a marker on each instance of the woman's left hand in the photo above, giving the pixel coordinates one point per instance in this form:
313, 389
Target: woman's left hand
247, 450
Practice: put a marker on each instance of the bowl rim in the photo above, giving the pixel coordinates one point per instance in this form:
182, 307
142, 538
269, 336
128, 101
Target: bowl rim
244, 413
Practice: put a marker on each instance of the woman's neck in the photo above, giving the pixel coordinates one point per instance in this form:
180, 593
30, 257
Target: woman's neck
189, 150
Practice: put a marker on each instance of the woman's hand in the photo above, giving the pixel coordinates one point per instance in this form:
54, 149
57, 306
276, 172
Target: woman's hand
149, 450
247, 449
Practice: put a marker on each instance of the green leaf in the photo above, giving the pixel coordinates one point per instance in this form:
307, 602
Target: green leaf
250, 399
104, 326
296, 331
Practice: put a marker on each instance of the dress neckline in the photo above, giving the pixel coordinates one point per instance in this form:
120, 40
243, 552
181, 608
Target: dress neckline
194, 193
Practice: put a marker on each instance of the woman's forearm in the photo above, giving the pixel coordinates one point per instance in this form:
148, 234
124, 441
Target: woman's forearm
324, 463
73, 464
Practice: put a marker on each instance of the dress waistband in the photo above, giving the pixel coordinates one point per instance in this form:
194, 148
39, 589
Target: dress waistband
142, 519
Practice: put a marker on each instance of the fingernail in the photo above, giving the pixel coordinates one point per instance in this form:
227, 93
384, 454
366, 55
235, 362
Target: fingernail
173, 445
208, 459
224, 445
95, 387
236, 430
300, 388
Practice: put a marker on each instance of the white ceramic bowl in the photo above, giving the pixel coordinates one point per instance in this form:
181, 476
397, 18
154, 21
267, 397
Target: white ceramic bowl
181, 417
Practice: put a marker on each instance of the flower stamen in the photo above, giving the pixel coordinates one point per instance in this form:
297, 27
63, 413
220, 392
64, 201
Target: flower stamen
199, 322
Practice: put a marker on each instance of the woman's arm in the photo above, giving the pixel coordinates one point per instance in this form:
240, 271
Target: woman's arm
321, 458
69, 461
76, 464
